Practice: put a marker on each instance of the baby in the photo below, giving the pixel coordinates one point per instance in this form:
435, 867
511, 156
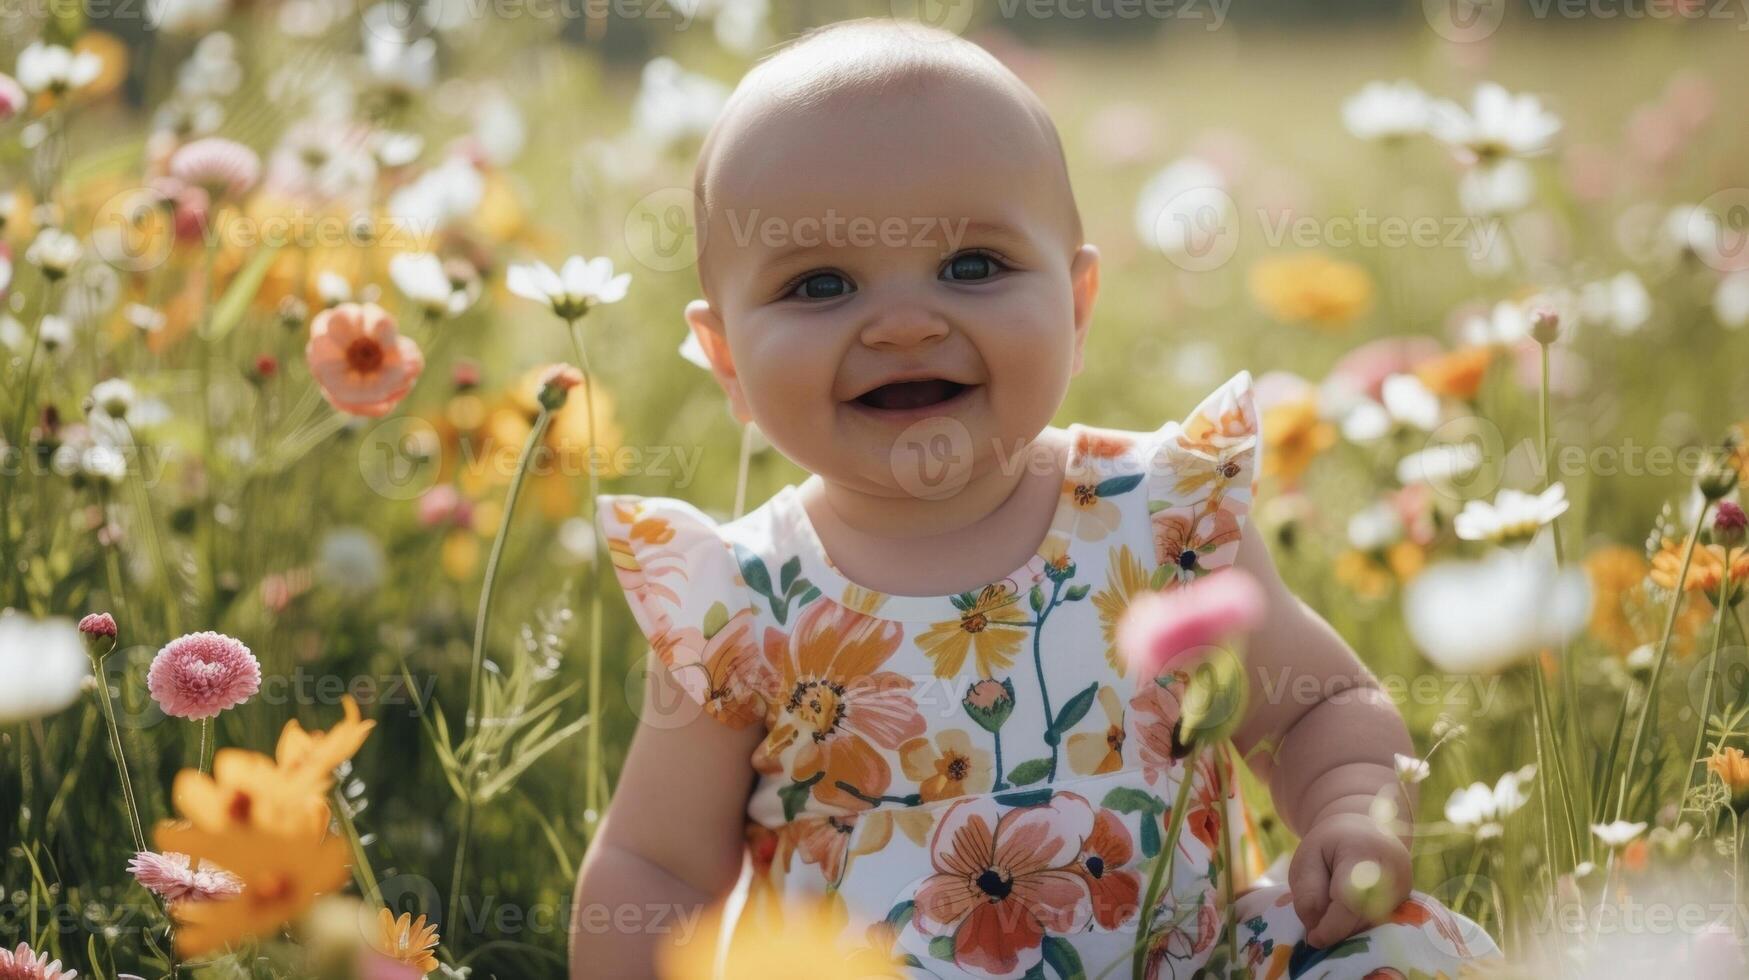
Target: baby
899, 688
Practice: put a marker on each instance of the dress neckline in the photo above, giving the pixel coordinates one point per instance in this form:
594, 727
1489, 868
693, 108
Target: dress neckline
818, 567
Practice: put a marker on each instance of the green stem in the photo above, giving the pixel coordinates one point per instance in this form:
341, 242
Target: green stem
1163, 862
1712, 676
477, 669
206, 745
1681, 590
1563, 780
361, 870
115, 748
1038, 666
593, 802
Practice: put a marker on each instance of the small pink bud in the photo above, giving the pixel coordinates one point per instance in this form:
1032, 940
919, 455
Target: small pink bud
98, 624
556, 385
1729, 524
1545, 325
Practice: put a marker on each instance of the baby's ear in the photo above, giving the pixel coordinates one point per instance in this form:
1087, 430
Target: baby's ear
707, 327
1084, 283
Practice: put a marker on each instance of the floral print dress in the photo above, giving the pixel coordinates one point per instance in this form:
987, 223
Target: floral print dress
978, 782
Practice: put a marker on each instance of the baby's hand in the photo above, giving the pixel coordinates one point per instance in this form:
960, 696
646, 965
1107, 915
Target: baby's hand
1330, 903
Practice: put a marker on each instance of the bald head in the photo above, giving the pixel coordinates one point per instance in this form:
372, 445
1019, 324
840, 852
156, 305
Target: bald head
925, 93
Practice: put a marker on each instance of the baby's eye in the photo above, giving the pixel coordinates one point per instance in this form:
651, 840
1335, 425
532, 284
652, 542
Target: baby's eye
971, 267
822, 285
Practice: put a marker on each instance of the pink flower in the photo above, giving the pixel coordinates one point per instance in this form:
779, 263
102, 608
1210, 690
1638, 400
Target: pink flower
1729, 523
12, 97
22, 964
1160, 630
174, 876
221, 167
201, 674
98, 624
443, 505
361, 363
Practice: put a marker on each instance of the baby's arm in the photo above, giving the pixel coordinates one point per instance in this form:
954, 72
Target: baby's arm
671, 843
1325, 737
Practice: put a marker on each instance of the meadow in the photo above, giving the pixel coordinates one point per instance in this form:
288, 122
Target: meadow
1443, 304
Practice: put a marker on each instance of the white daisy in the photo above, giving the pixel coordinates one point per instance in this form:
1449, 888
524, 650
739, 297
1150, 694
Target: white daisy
1481, 617
56, 69
1513, 516
1410, 769
1506, 324
421, 278
1440, 464
1375, 528
1497, 125
333, 289
1620, 303
42, 666
54, 252
1479, 808
1617, 834
1387, 111
1500, 189
1183, 206
674, 104
113, 397
1405, 401
578, 286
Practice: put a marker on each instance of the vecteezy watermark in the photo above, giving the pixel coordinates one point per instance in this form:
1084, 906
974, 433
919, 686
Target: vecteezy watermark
661, 231
954, 16
309, 688
480, 914
1368, 230
834, 230
401, 459
1466, 21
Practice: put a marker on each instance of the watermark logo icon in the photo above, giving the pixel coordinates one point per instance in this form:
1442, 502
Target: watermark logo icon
932, 459
660, 229
399, 459
1464, 21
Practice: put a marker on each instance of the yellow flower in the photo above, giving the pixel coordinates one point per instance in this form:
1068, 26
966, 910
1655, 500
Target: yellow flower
281, 874
951, 767
1293, 436
406, 940
1092, 753
1458, 374
801, 943
1124, 580
247, 791
1312, 289
988, 626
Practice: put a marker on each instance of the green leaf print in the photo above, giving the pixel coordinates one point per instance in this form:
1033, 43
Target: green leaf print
1025, 797
1076, 593
1061, 957
900, 915
1030, 771
1073, 711
941, 947
753, 571
1128, 799
787, 576
795, 795
1036, 598
1118, 484
715, 618
1150, 836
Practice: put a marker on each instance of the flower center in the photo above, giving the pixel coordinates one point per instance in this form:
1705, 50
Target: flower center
995, 884
1187, 559
364, 355
1114, 737
1086, 495
975, 623
958, 767
1095, 865
819, 705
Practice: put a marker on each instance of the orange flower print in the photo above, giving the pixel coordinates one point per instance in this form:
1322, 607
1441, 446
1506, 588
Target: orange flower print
948, 768
1116, 893
1003, 880
1204, 819
824, 841
1159, 709
641, 567
1088, 516
989, 628
1101, 750
1189, 542
1232, 428
836, 709
727, 672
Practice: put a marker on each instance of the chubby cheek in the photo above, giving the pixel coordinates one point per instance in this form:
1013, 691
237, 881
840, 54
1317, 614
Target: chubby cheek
1029, 357
786, 377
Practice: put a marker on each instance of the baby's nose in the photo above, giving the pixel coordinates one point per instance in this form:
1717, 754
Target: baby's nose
904, 325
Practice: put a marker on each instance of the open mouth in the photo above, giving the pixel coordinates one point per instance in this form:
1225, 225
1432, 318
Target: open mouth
905, 396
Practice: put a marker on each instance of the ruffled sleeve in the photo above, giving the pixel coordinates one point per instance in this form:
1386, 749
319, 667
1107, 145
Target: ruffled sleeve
689, 600
1201, 479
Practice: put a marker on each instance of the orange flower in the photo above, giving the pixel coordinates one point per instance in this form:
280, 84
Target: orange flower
1458, 374
1733, 770
1293, 436
315, 755
950, 767
836, 707
363, 365
1615, 571
1706, 570
248, 792
1312, 289
406, 940
281, 876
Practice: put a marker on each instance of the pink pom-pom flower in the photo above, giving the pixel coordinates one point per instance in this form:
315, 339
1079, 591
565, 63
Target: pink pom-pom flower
175, 877
1162, 630
98, 624
201, 674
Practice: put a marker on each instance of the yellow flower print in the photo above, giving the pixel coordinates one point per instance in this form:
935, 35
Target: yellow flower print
989, 625
951, 767
1095, 752
1124, 580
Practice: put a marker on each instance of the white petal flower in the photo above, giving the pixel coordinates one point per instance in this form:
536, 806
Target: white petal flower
1387, 111
1411, 769
1497, 125
1375, 528
1513, 516
333, 288
1500, 189
1410, 401
1506, 324
54, 252
113, 397
1440, 464
1731, 300
1485, 616
1617, 834
1479, 808
1620, 303
42, 666
1182, 207
55, 333
579, 286
56, 69
674, 104
421, 278
693, 352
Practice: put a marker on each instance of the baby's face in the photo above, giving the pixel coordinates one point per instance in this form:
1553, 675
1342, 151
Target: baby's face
889, 273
